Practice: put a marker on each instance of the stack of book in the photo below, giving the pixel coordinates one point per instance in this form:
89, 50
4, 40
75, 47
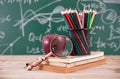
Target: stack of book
72, 63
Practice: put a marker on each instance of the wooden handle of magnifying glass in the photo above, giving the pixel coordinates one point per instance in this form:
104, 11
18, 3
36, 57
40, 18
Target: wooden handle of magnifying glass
38, 61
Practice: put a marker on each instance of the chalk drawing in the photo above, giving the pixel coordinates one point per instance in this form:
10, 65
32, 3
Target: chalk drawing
91, 41
32, 37
2, 35
5, 19
42, 18
112, 1
118, 46
109, 16
2, 2
94, 4
29, 1
93, 31
57, 10
100, 43
97, 28
61, 28
33, 50
10, 46
118, 21
114, 45
114, 33
43, 7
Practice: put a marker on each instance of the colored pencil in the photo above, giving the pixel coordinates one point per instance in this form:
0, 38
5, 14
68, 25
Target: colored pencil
77, 25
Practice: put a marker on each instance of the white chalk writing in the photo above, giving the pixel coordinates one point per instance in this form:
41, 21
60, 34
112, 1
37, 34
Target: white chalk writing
32, 50
97, 28
33, 37
94, 4
2, 2
61, 28
2, 35
100, 43
5, 19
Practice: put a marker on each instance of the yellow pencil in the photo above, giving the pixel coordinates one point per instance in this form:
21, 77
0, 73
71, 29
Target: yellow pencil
92, 18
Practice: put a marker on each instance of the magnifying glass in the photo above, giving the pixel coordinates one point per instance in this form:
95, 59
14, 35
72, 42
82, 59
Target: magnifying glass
60, 46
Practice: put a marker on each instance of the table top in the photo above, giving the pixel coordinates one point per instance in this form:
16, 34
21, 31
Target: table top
12, 67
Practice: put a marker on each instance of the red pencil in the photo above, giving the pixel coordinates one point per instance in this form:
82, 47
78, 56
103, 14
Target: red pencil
66, 16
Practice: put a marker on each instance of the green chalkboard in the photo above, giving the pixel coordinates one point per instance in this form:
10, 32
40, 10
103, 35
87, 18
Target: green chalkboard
23, 23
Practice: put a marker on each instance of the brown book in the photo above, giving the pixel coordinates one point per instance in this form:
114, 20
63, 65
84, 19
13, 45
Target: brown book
71, 69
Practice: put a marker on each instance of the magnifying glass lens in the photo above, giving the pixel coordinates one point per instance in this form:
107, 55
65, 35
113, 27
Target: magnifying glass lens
61, 46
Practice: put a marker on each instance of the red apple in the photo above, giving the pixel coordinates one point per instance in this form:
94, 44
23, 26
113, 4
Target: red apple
46, 40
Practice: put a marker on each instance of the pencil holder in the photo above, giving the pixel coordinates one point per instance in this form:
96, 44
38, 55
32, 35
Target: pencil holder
81, 40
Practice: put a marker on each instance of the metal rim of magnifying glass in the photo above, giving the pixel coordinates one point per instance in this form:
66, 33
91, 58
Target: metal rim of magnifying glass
57, 37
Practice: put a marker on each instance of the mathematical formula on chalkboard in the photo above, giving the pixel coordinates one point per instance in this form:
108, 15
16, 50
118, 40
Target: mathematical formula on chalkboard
23, 23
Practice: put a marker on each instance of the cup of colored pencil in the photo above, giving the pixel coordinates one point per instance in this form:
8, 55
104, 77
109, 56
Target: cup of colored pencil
79, 25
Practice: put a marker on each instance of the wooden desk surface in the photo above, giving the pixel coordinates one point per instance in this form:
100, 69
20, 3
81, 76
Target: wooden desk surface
12, 67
